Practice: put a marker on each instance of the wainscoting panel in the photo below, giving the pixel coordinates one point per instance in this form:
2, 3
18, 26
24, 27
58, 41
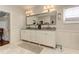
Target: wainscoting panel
69, 39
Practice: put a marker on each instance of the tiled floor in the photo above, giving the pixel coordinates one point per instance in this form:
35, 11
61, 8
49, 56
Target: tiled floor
27, 48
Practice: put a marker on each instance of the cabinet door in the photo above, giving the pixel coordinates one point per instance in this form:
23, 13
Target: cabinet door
45, 38
52, 38
25, 35
48, 38
33, 36
38, 36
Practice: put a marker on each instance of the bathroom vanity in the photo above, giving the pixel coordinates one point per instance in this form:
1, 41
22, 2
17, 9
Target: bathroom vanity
40, 29
45, 37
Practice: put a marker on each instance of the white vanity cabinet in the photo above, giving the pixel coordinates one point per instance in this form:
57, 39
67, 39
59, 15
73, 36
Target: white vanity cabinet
44, 37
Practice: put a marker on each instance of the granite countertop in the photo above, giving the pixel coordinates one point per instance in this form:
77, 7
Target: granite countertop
50, 29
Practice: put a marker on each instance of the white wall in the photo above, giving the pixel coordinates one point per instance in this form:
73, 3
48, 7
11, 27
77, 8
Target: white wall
67, 34
17, 20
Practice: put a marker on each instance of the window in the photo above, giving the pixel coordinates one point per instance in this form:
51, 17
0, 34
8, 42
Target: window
71, 15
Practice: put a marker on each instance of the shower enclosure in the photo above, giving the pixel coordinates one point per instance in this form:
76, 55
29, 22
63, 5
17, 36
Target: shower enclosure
4, 28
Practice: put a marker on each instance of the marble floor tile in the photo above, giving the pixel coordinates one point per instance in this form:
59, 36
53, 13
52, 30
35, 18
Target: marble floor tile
21, 47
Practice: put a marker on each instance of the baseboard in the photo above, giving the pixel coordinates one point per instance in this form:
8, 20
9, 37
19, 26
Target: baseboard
38, 44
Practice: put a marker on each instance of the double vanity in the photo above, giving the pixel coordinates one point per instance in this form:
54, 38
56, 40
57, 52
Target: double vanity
41, 30
42, 37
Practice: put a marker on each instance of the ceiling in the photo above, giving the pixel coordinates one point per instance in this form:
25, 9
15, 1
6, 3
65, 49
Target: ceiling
36, 6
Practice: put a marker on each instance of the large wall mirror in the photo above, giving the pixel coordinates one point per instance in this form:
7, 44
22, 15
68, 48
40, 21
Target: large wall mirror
43, 18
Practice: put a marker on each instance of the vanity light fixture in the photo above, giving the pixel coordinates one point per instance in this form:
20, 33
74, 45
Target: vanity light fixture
29, 12
48, 8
